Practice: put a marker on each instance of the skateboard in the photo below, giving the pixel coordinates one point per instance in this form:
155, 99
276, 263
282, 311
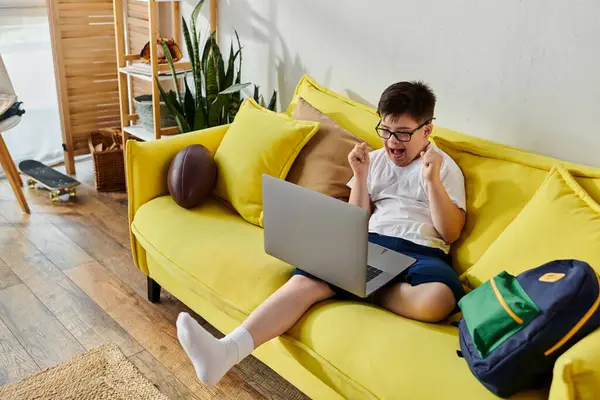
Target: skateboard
56, 182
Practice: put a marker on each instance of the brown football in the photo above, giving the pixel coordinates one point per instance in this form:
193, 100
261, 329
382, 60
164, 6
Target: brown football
192, 175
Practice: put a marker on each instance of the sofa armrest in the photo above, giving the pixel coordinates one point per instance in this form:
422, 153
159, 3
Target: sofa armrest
576, 373
147, 166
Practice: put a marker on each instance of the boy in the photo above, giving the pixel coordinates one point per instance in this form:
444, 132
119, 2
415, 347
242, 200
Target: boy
416, 196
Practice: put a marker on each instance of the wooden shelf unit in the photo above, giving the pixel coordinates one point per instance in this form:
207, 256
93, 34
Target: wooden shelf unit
127, 14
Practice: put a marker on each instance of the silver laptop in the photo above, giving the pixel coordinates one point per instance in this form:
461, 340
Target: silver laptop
327, 238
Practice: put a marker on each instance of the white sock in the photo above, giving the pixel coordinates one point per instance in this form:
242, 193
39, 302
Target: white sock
212, 358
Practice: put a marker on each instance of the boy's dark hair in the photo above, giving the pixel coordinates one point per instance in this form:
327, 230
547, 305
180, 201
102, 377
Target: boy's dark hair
414, 98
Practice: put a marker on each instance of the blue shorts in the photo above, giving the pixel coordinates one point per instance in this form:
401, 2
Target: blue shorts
432, 265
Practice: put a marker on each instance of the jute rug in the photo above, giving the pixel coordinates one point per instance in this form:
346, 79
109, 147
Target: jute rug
103, 373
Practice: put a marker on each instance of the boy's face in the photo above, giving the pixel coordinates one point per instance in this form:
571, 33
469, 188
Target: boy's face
403, 153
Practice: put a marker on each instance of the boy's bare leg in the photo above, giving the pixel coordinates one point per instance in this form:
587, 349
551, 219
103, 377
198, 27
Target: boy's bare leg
212, 358
427, 302
285, 307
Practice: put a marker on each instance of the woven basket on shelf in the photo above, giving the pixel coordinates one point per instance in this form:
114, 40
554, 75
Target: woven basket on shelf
109, 166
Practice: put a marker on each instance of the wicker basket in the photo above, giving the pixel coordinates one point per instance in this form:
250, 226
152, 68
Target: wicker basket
109, 166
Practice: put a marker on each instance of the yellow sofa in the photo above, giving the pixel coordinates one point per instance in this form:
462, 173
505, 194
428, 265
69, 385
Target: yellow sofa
213, 260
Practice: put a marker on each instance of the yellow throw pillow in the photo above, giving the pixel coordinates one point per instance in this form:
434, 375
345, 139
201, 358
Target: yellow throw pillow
353, 116
499, 182
258, 142
561, 221
577, 371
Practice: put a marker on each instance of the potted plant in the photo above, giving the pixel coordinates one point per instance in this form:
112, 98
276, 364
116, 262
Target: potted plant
216, 96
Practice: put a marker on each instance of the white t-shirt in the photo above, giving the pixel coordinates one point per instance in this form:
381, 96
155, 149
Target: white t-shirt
399, 195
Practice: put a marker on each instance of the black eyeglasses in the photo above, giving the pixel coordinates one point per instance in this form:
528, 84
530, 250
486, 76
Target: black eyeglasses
400, 136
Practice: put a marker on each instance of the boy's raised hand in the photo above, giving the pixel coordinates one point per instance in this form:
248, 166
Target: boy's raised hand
359, 160
432, 161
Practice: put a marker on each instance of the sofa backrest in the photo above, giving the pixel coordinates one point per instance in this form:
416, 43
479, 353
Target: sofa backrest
500, 179
351, 115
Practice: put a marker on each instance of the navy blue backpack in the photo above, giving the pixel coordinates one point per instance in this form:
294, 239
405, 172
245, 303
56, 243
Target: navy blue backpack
514, 328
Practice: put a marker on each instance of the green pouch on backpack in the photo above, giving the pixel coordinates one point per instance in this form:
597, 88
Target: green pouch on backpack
496, 310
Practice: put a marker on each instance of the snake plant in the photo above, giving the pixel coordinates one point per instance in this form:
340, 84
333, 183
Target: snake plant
216, 97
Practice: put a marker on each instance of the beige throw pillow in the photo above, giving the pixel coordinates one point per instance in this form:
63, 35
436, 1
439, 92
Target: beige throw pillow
322, 165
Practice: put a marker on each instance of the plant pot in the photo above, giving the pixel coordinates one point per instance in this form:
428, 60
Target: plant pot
143, 107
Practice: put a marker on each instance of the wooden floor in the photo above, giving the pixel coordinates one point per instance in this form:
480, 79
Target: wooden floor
68, 284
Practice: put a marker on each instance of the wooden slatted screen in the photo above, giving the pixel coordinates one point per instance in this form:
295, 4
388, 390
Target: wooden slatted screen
83, 41
138, 31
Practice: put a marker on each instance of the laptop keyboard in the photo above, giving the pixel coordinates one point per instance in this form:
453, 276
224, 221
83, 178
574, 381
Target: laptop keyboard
373, 273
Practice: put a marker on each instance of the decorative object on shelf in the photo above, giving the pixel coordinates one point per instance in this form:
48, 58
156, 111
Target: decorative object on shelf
192, 175
143, 106
142, 70
172, 47
109, 167
216, 95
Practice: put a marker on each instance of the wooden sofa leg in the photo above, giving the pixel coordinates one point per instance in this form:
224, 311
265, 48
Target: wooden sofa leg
153, 291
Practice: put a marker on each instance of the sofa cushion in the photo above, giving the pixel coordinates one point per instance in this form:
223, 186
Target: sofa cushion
322, 165
391, 356
353, 347
258, 142
213, 244
353, 116
499, 181
561, 221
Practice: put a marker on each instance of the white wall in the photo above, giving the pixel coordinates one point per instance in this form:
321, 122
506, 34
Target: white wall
22, 3
27, 53
524, 73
